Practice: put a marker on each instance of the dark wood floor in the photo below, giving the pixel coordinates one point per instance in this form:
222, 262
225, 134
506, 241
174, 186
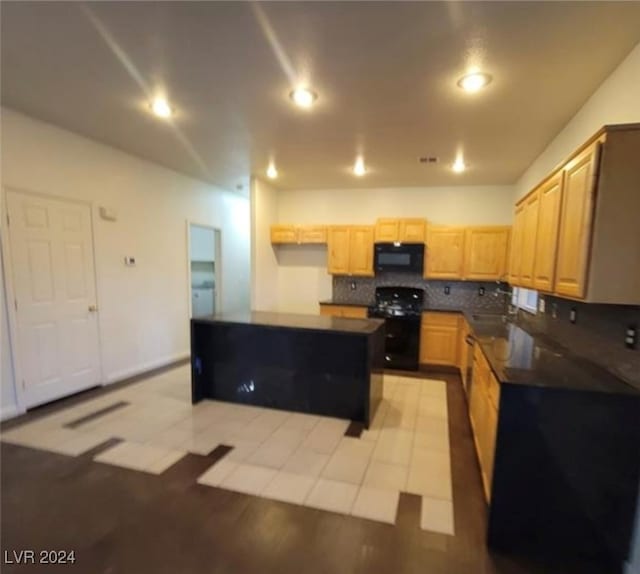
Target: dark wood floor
121, 521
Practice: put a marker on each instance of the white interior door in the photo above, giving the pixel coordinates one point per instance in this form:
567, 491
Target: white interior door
54, 284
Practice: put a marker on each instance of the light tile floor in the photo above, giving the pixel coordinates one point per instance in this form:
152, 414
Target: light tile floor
293, 457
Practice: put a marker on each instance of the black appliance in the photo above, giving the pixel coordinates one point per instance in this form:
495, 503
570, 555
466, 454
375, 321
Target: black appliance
399, 257
401, 308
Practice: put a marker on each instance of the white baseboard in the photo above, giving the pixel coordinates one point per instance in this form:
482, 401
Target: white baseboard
144, 367
10, 411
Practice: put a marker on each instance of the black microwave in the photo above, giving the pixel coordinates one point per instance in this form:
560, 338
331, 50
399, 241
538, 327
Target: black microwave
399, 257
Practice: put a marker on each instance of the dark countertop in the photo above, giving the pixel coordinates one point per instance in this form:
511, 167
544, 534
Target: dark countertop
296, 321
519, 358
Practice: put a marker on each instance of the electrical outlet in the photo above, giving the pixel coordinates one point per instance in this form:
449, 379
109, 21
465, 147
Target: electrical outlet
573, 315
554, 310
631, 337
541, 305
480, 291
353, 286
447, 289
129, 261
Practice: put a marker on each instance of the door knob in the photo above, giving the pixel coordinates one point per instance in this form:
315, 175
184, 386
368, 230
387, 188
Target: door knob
93, 308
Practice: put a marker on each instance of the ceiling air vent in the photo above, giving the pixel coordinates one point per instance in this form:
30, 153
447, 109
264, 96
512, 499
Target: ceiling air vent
428, 159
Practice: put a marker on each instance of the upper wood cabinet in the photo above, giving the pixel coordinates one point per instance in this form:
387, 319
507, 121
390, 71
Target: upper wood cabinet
338, 237
350, 250
387, 230
407, 230
486, 251
444, 255
284, 234
550, 195
361, 250
298, 234
413, 230
575, 223
517, 232
528, 242
587, 237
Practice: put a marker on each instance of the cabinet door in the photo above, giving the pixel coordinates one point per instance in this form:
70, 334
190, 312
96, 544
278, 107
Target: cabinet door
284, 234
387, 230
338, 249
547, 235
439, 339
486, 253
529, 234
361, 250
444, 253
312, 234
515, 257
412, 230
575, 224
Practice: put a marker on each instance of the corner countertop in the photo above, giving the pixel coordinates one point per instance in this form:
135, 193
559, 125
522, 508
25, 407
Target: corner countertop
520, 358
296, 321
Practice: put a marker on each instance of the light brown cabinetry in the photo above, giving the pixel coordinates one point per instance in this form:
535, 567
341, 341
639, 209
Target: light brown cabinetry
575, 223
444, 255
516, 245
483, 412
463, 354
528, 242
284, 234
298, 234
350, 250
587, 237
550, 195
486, 251
405, 230
348, 311
439, 338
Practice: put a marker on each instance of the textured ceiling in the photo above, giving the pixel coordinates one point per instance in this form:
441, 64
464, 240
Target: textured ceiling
385, 73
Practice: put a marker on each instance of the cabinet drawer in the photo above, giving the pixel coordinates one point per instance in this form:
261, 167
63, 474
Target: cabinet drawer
354, 312
312, 234
284, 234
441, 319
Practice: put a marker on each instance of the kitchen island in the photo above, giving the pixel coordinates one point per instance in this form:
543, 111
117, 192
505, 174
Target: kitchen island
313, 364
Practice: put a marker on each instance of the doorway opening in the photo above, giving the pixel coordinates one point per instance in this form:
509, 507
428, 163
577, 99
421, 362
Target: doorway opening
204, 269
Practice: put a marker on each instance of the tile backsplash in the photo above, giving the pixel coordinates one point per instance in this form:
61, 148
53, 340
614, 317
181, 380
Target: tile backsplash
461, 293
597, 335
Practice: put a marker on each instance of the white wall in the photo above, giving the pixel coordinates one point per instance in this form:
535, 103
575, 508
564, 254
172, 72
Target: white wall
452, 205
143, 309
616, 101
264, 267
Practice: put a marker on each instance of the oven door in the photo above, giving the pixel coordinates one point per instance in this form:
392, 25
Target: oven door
402, 343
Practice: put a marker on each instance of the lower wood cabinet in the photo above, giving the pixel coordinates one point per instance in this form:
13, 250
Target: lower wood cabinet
484, 404
439, 338
348, 311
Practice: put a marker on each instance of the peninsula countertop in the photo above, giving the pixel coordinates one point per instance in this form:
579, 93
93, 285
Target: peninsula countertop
297, 321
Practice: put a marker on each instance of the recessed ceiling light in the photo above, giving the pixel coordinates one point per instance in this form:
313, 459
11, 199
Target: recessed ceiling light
358, 168
161, 108
303, 97
458, 166
272, 172
474, 82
